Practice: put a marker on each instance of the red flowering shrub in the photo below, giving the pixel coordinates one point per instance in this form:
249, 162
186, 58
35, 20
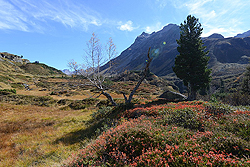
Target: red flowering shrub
170, 135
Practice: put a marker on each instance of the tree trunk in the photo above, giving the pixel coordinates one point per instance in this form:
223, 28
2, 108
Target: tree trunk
135, 88
140, 81
193, 94
109, 97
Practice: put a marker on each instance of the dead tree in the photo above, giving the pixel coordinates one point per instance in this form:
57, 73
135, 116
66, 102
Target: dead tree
94, 60
145, 72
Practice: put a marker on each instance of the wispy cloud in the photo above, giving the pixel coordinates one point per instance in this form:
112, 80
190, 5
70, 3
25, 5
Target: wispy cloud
11, 18
30, 15
161, 3
128, 26
156, 27
224, 16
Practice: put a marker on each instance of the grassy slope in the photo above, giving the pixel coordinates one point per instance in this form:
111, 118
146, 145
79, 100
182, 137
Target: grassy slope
13, 75
40, 69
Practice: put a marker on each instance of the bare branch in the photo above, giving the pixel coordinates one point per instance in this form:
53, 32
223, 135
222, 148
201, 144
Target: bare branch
146, 69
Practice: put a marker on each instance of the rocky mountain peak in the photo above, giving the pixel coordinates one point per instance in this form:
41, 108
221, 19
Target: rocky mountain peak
215, 35
169, 26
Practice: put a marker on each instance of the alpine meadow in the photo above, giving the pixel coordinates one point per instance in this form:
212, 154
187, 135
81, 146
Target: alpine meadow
94, 83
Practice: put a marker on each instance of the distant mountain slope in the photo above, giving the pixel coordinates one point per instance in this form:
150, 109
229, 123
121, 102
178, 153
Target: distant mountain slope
163, 50
228, 55
243, 35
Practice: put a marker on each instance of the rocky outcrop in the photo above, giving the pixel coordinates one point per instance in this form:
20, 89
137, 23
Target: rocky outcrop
170, 95
12, 57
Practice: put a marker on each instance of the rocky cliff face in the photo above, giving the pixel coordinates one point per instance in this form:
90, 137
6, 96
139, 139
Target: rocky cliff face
228, 56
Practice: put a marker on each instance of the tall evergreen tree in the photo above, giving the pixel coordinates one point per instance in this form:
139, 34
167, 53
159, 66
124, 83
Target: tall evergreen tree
191, 63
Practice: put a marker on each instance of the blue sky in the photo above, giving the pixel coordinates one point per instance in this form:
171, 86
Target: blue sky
56, 31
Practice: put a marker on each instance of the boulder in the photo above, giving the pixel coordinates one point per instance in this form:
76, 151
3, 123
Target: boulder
170, 95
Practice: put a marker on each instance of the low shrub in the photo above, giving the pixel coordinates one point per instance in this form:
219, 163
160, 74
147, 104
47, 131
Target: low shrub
82, 104
29, 100
218, 109
17, 85
230, 144
187, 118
237, 99
7, 91
170, 135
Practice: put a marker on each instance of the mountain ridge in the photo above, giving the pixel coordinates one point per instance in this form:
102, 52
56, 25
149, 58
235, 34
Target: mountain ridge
164, 49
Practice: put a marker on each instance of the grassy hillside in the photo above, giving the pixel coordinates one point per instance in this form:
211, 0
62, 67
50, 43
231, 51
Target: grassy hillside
46, 117
40, 69
14, 74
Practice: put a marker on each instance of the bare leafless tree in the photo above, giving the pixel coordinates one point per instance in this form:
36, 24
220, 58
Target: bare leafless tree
111, 51
94, 60
73, 65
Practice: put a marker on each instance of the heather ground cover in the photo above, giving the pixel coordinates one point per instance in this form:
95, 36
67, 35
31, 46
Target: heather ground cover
171, 134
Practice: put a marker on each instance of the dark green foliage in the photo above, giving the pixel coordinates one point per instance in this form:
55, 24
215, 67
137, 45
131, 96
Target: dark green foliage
246, 81
237, 99
82, 104
17, 85
191, 63
28, 100
186, 118
218, 109
7, 91
222, 86
108, 83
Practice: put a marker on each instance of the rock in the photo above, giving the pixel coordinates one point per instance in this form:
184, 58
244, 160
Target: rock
170, 95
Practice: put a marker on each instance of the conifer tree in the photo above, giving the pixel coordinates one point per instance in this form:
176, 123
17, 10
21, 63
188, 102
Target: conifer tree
191, 63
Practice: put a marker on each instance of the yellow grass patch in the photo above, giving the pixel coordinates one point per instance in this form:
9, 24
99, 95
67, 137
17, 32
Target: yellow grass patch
28, 134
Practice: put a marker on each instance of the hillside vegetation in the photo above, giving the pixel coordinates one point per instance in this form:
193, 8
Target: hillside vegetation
50, 119
172, 134
40, 69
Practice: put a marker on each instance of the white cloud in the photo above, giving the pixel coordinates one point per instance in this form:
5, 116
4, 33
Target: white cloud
214, 30
224, 16
10, 18
30, 15
128, 26
162, 3
156, 27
